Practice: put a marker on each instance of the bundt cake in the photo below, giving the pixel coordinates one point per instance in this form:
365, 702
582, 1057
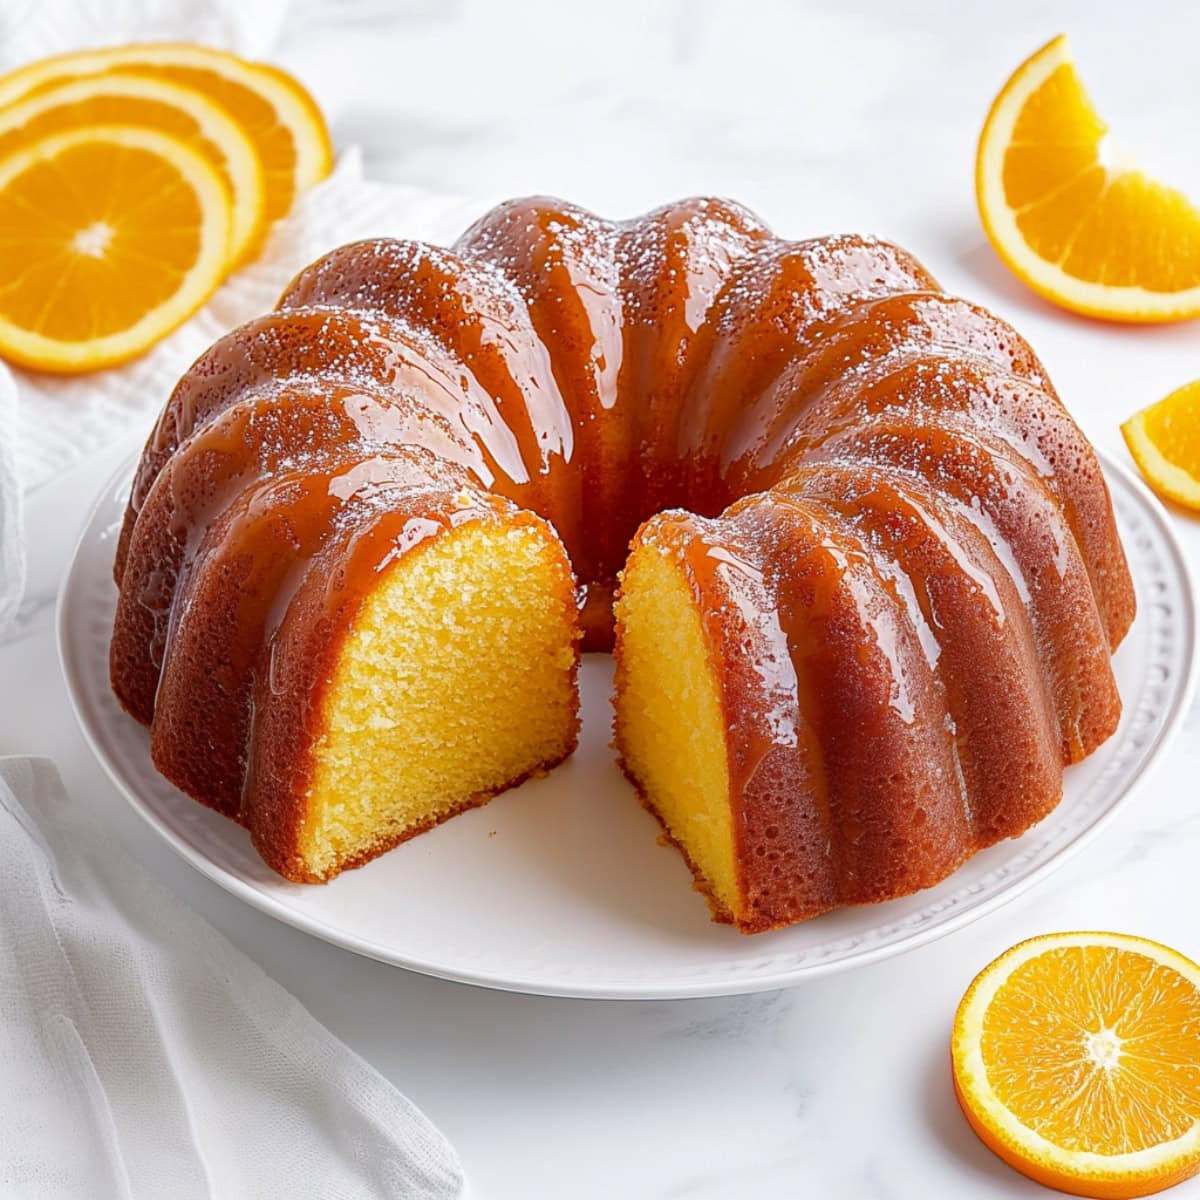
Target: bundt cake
866, 617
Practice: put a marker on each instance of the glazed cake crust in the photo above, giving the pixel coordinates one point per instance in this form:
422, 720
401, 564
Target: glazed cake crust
890, 464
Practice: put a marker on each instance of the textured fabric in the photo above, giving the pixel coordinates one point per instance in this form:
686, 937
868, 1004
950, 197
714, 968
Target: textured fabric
57, 422
32, 29
12, 545
143, 1056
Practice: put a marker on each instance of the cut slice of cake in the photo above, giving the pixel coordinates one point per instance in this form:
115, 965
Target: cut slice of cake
456, 680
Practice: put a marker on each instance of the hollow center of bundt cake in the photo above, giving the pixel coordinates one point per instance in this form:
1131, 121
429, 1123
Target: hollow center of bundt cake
669, 720
454, 682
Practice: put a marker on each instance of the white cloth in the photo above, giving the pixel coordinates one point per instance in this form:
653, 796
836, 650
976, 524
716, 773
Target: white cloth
32, 29
12, 543
57, 421
143, 1056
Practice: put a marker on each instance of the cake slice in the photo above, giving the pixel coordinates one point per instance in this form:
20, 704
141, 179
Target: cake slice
357, 650
453, 681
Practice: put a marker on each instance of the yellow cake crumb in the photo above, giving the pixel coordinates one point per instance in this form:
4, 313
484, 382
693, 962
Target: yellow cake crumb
454, 682
670, 722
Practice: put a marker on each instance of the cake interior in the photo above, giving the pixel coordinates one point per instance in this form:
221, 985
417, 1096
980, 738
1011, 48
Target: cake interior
454, 682
670, 720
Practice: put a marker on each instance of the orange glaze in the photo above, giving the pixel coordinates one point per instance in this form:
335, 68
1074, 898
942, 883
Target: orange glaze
866, 343
789, 297
925, 554
325, 348
254, 441
819, 663
973, 395
984, 483
1008, 747
244, 577
605, 370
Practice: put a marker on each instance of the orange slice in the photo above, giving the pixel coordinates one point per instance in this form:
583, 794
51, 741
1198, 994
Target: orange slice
1164, 440
1072, 219
276, 112
110, 237
1076, 1059
126, 99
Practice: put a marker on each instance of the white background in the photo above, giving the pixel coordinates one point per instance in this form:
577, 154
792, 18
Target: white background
823, 117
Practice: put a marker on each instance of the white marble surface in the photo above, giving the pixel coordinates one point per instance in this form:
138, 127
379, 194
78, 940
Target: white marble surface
823, 117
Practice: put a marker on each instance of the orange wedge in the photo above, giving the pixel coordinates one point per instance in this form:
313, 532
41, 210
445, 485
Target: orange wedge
110, 237
1073, 220
1164, 440
128, 99
1076, 1059
276, 112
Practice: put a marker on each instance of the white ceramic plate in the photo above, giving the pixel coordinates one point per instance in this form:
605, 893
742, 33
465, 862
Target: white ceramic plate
560, 886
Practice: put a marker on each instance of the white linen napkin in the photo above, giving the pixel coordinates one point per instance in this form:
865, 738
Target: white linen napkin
12, 542
142, 1055
56, 421
32, 29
